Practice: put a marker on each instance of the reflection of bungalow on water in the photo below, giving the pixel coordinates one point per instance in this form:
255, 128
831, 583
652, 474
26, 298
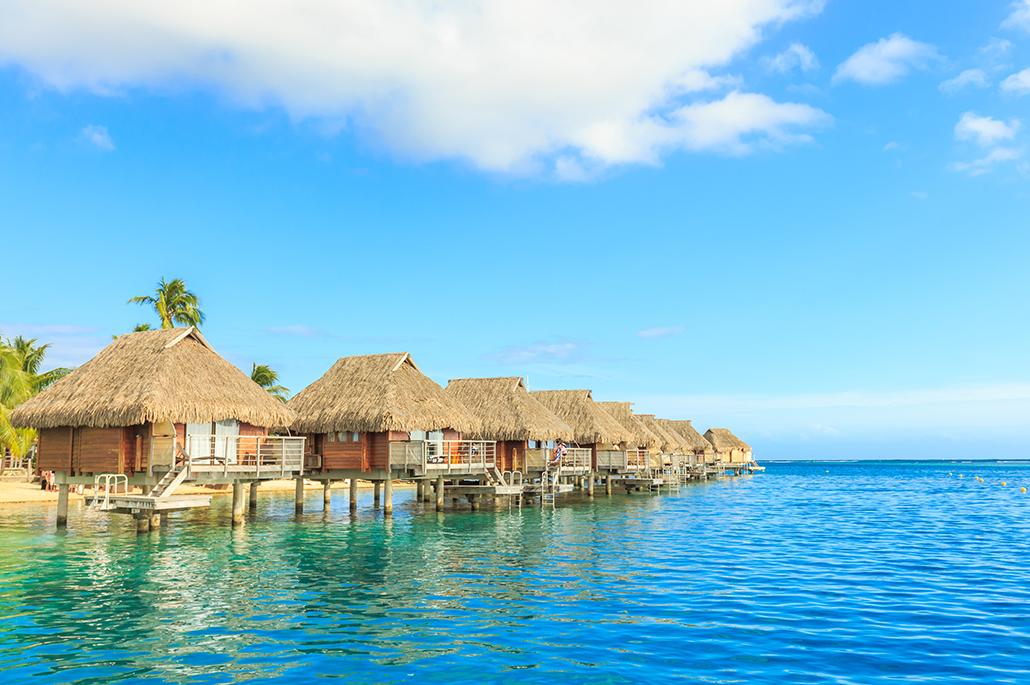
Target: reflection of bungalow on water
155, 409
526, 433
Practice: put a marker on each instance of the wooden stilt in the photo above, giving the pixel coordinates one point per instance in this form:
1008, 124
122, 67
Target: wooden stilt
142, 523
253, 494
590, 484
419, 486
608, 484
327, 493
155, 521
62, 505
377, 490
237, 502
352, 500
388, 496
439, 493
298, 496
473, 502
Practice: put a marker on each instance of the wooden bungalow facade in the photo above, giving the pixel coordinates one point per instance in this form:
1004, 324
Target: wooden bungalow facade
700, 452
525, 430
154, 409
633, 463
731, 452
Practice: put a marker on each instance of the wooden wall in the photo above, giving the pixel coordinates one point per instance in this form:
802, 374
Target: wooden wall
55, 449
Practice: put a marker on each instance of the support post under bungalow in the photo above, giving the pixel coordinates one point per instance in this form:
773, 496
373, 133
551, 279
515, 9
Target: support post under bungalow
353, 501
377, 489
237, 502
298, 496
156, 520
62, 505
142, 522
439, 493
327, 493
590, 484
473, 502
608, 484
388, 496
427, 491
253, 494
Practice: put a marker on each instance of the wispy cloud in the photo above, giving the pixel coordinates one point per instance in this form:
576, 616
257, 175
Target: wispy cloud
70, 344
553, 352
982, 165
1018, 83
886, 61
796, 56
660, 332
300, 330
1019, 17
98, 137
970, 78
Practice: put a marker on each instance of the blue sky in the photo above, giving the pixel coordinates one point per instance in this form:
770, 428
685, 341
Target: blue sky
805, 221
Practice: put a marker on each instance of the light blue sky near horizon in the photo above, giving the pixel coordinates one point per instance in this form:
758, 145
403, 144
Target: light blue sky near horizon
857, 293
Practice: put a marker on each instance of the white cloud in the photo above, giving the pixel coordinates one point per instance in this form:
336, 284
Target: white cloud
554, 352
660, 332
985, 130
300, 330
970, 78
98, 137
1018, 83
796, 56
507, 86
891, 146
1019, 17
983, 165
885, 61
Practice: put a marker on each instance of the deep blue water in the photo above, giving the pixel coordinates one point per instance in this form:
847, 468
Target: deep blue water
809, 573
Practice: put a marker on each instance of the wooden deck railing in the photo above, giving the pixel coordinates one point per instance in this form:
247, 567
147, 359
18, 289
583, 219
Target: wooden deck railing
444, 456
258, 455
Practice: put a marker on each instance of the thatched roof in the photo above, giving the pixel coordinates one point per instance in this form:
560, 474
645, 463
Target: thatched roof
723, 440
377, 393
686, 430
507, 411
590, 424
165, 375
623, 413
670, 441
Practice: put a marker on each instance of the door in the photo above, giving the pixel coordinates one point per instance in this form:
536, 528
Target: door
198, 440
162, 444
227, 435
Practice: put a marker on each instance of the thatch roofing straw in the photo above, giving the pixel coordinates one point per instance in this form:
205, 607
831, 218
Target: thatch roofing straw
590, 424
670, 441
377, 393
686, 430
724, 440
507, 411
623, 413
165, 375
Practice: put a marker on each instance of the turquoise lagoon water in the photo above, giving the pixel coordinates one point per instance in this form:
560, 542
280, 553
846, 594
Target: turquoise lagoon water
809, 573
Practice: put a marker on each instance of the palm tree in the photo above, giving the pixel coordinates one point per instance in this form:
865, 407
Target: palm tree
30, 355
173, 303
263, 375
15, 387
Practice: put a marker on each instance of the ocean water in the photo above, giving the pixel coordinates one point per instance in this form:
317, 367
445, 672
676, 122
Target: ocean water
808, 573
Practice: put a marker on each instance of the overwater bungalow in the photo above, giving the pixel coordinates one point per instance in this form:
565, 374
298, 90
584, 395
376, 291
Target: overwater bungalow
698, 452
593, 429
378, 417
524, 429
732, 453
631, 465
673, 457
155, 409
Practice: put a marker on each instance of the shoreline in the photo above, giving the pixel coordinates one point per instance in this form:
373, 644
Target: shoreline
21, 493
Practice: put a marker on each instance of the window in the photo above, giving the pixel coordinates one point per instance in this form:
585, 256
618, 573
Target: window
417, 435
355, 437
435, 435
533, 444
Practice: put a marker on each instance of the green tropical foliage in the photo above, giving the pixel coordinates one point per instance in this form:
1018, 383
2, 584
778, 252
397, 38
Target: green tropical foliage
21, 377
173, 304
263, 375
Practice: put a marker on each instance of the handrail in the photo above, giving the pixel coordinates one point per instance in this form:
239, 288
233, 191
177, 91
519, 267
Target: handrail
278, 454
444, 455
111, 482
